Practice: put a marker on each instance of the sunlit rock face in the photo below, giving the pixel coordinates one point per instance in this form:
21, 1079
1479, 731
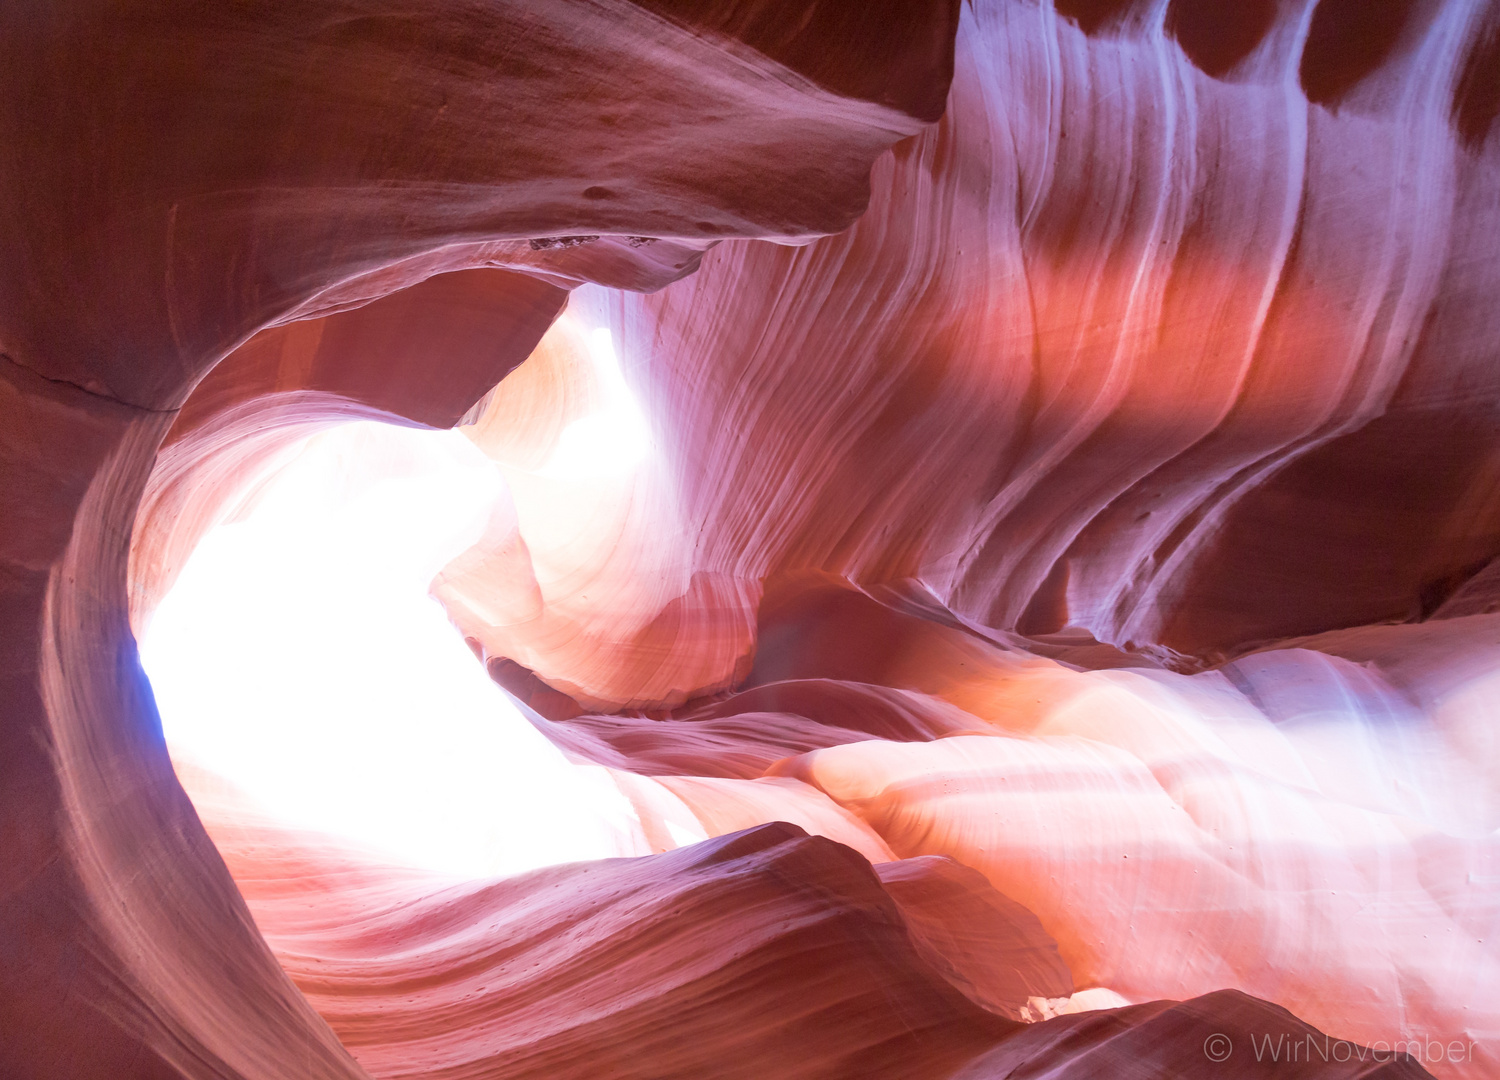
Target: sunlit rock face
971, 528
1164, 346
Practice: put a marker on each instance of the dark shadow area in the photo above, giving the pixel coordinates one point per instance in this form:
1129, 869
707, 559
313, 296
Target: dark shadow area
1216, 36
1348, 40
1476, 99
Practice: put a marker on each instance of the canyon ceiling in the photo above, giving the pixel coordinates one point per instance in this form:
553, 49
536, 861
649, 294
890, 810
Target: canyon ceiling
1007, 491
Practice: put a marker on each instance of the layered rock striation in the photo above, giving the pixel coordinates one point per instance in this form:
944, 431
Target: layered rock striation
1017, 477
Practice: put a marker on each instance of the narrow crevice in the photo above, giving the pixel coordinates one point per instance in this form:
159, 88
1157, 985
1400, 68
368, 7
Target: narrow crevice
68, 385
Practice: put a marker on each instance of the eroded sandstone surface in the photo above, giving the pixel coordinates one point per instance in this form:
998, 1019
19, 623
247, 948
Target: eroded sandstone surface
1008, 489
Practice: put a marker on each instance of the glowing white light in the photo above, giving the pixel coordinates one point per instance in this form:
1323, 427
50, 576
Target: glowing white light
610, 441
300, 657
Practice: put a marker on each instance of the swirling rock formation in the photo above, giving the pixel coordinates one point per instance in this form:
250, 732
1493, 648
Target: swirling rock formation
178, 179
765, 952
1081, 512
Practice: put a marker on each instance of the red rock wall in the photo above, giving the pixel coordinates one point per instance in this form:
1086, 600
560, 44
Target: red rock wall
976, 538
177, 179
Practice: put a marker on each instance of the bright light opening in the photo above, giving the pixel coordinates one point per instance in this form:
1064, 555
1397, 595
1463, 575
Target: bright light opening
613, 439
300, 657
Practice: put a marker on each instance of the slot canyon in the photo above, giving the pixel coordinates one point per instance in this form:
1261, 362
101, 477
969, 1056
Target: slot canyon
749, 539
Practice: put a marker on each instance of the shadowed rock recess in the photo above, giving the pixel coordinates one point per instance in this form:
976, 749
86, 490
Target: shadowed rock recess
1006, 493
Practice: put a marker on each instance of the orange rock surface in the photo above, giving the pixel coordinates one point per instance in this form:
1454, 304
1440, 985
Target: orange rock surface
1007, 490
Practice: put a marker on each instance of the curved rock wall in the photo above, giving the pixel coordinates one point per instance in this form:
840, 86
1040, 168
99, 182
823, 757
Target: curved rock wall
1091, 535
